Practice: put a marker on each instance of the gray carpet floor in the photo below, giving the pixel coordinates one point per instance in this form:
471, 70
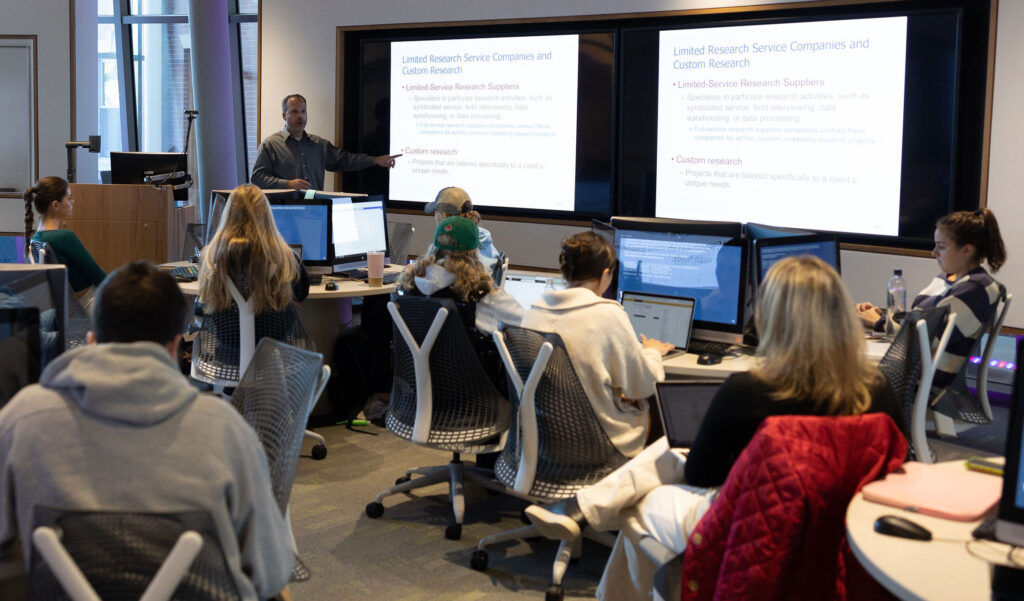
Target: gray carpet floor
403, 556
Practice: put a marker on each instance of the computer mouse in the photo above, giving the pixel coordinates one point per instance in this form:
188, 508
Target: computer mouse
331, 286
709, 359
894, 525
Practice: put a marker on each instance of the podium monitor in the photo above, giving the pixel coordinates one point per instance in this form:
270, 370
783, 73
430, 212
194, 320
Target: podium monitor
135, 167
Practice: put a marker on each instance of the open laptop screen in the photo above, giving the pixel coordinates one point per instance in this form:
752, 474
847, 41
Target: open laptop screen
528, 288
665, 318
682, 406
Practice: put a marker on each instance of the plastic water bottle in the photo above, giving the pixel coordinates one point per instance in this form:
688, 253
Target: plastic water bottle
896, 302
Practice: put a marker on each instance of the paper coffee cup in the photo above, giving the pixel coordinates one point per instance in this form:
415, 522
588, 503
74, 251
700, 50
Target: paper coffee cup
375, 268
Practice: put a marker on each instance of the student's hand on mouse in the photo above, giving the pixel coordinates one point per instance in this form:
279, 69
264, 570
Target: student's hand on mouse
297, 184
661, 347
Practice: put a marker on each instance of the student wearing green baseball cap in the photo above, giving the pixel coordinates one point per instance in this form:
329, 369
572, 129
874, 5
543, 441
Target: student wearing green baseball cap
451, 268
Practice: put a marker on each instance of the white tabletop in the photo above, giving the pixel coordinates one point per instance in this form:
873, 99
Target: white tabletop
685, 365
347, 288
933, 570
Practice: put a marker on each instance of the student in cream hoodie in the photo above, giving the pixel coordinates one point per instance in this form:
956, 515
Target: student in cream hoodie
616, 368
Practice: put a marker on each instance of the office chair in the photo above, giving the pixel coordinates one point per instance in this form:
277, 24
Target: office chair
195, 240
441, 398
957, 402
500, 270
93, 555
777, 527
79, 320
909, 365
399, 241
226, 343
275, 396
555, 444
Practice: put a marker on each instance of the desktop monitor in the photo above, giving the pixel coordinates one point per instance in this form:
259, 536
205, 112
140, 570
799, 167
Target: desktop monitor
359, 225
704, 261
45, 288
1010, 520
769, 251
758, 231
606, 231
305, 225
20, 361
136, 167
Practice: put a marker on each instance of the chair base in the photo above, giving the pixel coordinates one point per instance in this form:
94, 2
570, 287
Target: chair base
455, 473
568, 550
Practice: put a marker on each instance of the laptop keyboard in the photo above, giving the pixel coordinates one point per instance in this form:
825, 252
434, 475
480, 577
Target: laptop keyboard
186, 273
705, 346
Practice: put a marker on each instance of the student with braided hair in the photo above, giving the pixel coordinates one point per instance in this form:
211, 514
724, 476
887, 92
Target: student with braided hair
51, 198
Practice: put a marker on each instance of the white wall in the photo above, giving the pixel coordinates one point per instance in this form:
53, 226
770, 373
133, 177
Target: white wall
47, 19
299, 50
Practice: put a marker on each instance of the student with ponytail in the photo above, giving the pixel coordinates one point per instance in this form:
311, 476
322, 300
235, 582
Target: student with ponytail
963, 241
51, 199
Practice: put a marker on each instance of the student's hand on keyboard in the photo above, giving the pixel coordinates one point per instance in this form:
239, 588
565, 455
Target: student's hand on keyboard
661, 347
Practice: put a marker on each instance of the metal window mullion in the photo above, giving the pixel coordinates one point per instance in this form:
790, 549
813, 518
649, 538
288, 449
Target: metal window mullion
126, 77
237, 98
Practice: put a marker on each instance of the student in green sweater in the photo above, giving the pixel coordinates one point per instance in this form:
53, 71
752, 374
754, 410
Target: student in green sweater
52, 200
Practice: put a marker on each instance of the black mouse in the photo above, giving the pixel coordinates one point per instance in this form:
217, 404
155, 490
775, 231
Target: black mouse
331, 286
709, 359
894, 525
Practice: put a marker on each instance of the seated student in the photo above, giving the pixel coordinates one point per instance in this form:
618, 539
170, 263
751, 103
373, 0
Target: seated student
135, 436
52, 200
452, 269
248, 250
810, 362
617, 370
455, 202
963, 240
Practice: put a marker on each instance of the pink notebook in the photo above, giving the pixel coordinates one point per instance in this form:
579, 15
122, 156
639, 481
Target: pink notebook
947, 492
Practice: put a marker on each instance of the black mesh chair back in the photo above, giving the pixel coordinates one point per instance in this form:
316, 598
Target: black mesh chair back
466, 407
274, 398
42, 253
399, 241
120, 552
216, 352
957, 401
573, 448
195, 240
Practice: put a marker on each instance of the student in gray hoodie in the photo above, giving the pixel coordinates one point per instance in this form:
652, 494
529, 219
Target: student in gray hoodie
115, 426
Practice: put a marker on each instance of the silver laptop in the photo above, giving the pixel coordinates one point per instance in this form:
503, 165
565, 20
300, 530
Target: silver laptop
660, 316
682, 406
528, 288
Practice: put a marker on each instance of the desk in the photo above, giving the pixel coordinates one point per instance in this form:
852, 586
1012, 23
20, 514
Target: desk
685, 365
919, 570
323, 321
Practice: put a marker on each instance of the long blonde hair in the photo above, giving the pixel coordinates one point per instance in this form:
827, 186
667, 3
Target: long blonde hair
811, 346
470, 274
247, 244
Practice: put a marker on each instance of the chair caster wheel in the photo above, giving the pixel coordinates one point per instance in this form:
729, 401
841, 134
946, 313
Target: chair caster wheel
453, 532
479, 560
374, 510
402, 480
319, 452
554, 593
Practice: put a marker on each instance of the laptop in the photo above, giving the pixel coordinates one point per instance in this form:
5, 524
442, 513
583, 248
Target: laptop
682, 406
528, 288
660, 316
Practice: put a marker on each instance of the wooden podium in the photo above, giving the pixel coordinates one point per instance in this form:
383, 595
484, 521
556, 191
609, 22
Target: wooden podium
120, 223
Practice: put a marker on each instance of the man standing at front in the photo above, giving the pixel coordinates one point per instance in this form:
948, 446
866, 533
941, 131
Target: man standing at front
292, 158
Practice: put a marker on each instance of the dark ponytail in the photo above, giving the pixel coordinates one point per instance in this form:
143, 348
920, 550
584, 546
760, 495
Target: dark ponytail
980, 229
584, 257
46, 190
